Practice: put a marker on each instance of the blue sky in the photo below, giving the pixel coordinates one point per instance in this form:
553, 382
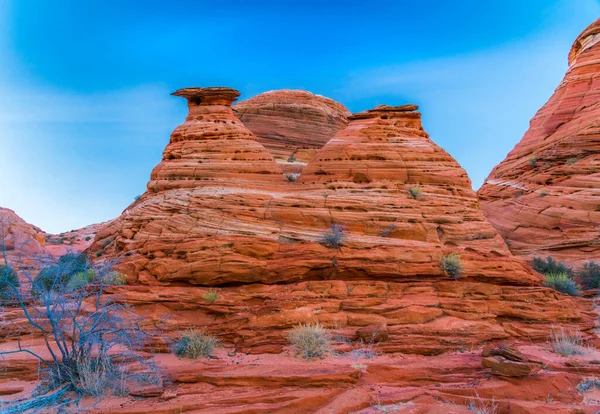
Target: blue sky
85, 110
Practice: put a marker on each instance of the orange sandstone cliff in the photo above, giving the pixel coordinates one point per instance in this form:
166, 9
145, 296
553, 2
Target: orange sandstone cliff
544, 198
219, 214
292, 125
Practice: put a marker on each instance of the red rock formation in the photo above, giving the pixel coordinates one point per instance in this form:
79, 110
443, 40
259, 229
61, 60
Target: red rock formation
21, 241
292, 125
544, 197
219, 215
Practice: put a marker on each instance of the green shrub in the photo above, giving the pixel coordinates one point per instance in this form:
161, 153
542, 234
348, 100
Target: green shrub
550, 266
567, 343
81, 279
57, 276
334, 238
561, 282
195, 345
115, 278
310, 341
137, 198
533, 160
88, 238
210, 296
589, 275
451, 265
415, 192
8, 280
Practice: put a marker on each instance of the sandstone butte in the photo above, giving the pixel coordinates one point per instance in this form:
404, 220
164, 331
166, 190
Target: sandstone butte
219, 215
544, 198
22, 241
292, 125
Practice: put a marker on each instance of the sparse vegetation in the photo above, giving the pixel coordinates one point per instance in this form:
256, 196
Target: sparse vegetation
543, 193
483, 407
137, 197
88, 339
566, 343
415, 192
562, 282
195, 345
115, 279
8, 280
571, 161
310, 341
549, 265
533, 160
210, 296
589, 275
334, 238
291, 177
88, 238
292, 158
452, 265
388, 230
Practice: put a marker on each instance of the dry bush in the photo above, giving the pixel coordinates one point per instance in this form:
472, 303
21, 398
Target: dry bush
567, 343
334, 238
210, 296
195, 345
451, 265
310, 341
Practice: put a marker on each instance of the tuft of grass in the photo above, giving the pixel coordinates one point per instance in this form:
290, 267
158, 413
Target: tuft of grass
334, 238
452, 265
291, 177
482, 407
566, 343
588, 384
310, 341
415, 192
533, 160
195, 345
210, 296
561, 282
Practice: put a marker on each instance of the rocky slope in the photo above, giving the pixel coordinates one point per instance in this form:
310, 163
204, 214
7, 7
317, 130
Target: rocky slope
292, 125
22, 242
219, 215
544, 198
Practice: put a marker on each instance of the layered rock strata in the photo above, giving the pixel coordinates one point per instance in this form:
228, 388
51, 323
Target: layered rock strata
218, 215
21, 243
292, 125
544, 198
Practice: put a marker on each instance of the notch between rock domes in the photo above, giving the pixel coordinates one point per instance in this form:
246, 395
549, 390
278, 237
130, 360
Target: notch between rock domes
215, 95
383, 111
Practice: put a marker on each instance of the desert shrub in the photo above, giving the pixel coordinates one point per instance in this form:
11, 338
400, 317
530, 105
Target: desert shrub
388, 230
415, 192
292, 158
451, 265
137, 198
98, 253
89, 338
310, 341
88, 238
549, 265
56, 276
561, 282
334, 238
543, 193
115, 278
589, 275
566, 343
8, 279
533, 160
571, 161
195, 345
210, 296
291, 177
483, 407
81, 279
588, 384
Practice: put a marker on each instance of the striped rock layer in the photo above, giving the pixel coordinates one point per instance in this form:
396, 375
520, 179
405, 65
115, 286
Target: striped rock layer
544, 198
